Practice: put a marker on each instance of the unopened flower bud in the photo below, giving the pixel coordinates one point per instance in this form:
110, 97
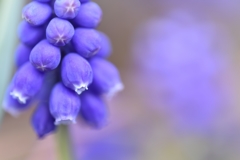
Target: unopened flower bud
64, 104
76, 72
30, 35
22, 54
26, 83
106, 46
36, 13
59, 32
66, 9
106, 77
86, 42
12, 105
45, 56
42, 121
89, 16
93, 110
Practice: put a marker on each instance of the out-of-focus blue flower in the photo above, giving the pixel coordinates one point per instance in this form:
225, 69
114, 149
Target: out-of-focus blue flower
93, 109
106, 79
42, 121
115, 146
184, 61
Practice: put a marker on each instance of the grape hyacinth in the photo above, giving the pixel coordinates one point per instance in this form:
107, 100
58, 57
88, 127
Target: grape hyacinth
185, 68
106, 77
42, 120
76, 73
89, 15
86, 42
60, 56
36, 13
59, 32
45, 56
30, 35
67, 9
93, 110
64, 104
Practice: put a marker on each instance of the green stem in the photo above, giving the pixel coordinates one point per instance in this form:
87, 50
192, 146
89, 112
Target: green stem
10, 13
64, 151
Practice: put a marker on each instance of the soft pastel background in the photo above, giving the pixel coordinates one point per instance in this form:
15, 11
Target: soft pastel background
181, 97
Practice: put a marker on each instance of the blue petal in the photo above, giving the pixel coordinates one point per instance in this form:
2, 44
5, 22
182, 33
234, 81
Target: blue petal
59, 32
66, 9
36, 13
89, 16
94, 110
26, 83
42, 121
45, 56
106, 79
87, 42
64, 104
76, 72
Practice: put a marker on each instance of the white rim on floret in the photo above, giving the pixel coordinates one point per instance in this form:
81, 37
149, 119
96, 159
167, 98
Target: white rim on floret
115, 89
18, 96
11, 109
80, 88
65, 120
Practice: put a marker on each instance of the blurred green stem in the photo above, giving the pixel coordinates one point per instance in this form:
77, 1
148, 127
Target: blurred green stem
64, 151
10, 13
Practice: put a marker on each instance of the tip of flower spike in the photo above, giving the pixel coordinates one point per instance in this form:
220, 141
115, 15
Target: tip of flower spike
17, 95
67, 9
80, 88
65, 121
71, 7
115, 89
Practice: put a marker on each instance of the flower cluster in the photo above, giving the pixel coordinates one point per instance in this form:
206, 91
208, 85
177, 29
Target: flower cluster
61, 61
